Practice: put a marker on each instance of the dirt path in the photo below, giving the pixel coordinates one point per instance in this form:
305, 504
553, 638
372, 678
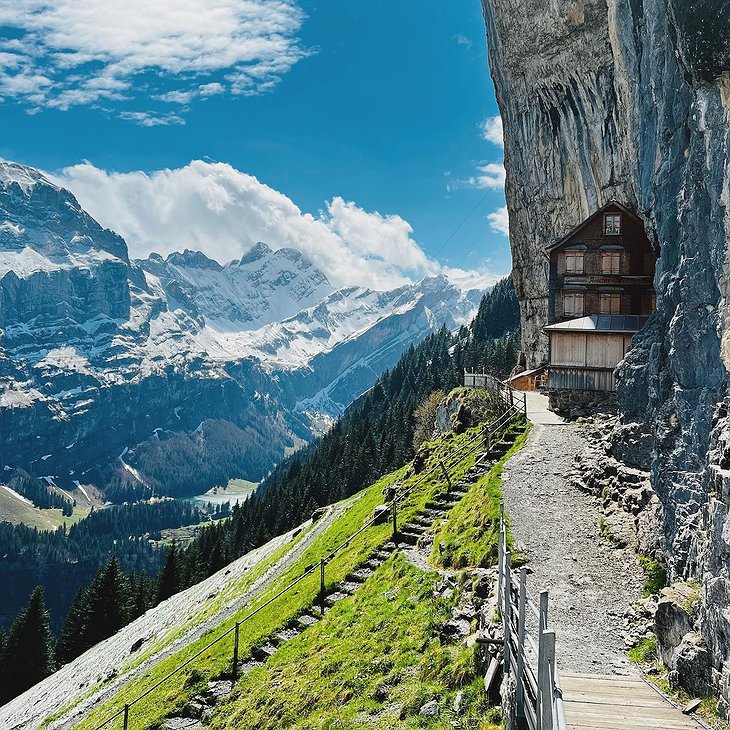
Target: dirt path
591, 583
78, 679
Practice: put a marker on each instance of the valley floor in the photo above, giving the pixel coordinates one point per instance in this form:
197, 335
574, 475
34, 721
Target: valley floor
591, 583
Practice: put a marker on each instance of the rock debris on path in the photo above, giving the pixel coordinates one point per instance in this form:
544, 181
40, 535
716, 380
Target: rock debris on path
591, 583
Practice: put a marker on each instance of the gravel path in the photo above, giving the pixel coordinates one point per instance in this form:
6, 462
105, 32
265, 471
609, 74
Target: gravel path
86, 675
591, 584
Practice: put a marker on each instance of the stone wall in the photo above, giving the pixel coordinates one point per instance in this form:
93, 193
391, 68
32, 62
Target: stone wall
575, 403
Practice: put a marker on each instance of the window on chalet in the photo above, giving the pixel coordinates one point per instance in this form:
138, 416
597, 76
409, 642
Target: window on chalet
612, 224
609, 303
611, 262
574, 262
572, 304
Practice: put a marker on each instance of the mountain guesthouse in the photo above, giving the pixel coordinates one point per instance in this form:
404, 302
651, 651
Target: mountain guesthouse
600, 295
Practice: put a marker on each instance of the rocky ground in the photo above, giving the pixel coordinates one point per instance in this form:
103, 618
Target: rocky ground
592, 582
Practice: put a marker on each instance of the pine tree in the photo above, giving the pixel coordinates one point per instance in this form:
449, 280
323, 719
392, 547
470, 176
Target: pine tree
71, 641
28, 655
168, 581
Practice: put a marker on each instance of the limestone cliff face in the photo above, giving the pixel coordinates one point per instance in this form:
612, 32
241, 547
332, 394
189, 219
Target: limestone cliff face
630, 99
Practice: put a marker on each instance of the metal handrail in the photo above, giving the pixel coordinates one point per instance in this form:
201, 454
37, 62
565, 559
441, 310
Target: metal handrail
473, 444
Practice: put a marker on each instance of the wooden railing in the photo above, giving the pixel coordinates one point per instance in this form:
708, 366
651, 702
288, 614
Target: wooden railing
511, 397
529, 645
483, 440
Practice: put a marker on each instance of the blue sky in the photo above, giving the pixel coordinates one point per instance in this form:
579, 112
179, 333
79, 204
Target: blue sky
378, 106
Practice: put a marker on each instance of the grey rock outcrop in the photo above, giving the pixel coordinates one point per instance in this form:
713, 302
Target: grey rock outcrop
630, 100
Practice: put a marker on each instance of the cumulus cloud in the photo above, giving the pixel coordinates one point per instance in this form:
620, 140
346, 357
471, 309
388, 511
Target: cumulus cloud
499, 221
65, 53
214, 208
490, 176
493, 131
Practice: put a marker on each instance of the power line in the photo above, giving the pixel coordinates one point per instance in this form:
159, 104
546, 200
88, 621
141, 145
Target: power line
460, 226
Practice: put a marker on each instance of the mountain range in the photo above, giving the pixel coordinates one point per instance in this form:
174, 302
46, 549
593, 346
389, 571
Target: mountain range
170, 374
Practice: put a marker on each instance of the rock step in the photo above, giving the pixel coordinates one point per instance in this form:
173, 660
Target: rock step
182, 723
372, 563
409, 538
306, 620
249, 665
349, 587
286, 635
335, 597
382, 556
262, 653
360, 575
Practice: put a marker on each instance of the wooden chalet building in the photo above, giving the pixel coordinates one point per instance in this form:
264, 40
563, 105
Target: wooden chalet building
601, 293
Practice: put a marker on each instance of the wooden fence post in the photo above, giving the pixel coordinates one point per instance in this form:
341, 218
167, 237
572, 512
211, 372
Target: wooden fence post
395, 521
321, 584
545, 675
500, 559
541, 667
521, 629
507, 615
126, 717
446, 476
235, 652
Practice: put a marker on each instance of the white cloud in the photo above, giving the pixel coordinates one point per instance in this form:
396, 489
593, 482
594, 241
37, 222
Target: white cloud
69, 53
211, 89
216, 209
493, 131
499, 221
148, 119
490, 176
462, 40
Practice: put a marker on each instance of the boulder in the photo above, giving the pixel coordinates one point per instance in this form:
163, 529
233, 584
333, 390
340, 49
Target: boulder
430, 709
672, 620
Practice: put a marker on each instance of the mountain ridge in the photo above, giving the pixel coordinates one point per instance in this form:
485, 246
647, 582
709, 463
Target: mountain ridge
92, 342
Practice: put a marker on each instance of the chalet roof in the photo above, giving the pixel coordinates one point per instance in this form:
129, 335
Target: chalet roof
526, 373
590, 219
601, 323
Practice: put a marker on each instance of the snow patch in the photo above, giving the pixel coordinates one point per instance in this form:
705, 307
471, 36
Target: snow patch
17, 496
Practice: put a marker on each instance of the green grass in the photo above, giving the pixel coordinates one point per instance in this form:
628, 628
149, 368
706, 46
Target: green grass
470, 536
645, 652
656, 575
176, 692
373, 661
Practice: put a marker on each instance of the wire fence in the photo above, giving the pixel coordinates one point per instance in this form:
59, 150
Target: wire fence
482, 440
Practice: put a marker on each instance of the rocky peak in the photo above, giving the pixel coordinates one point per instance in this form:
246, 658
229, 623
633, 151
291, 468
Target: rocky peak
255, 253
41, 216
192, 259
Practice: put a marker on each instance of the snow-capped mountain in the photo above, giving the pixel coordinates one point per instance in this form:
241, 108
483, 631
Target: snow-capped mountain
262, 287
99, 354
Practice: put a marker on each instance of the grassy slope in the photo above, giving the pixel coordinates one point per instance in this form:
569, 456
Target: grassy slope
470, 536
338, 664
373, 661
18, 512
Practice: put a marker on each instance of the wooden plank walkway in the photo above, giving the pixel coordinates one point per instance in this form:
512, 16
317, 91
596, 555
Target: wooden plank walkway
601, 702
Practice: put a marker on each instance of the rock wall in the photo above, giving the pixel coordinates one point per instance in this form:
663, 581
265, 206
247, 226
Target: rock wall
630, 99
